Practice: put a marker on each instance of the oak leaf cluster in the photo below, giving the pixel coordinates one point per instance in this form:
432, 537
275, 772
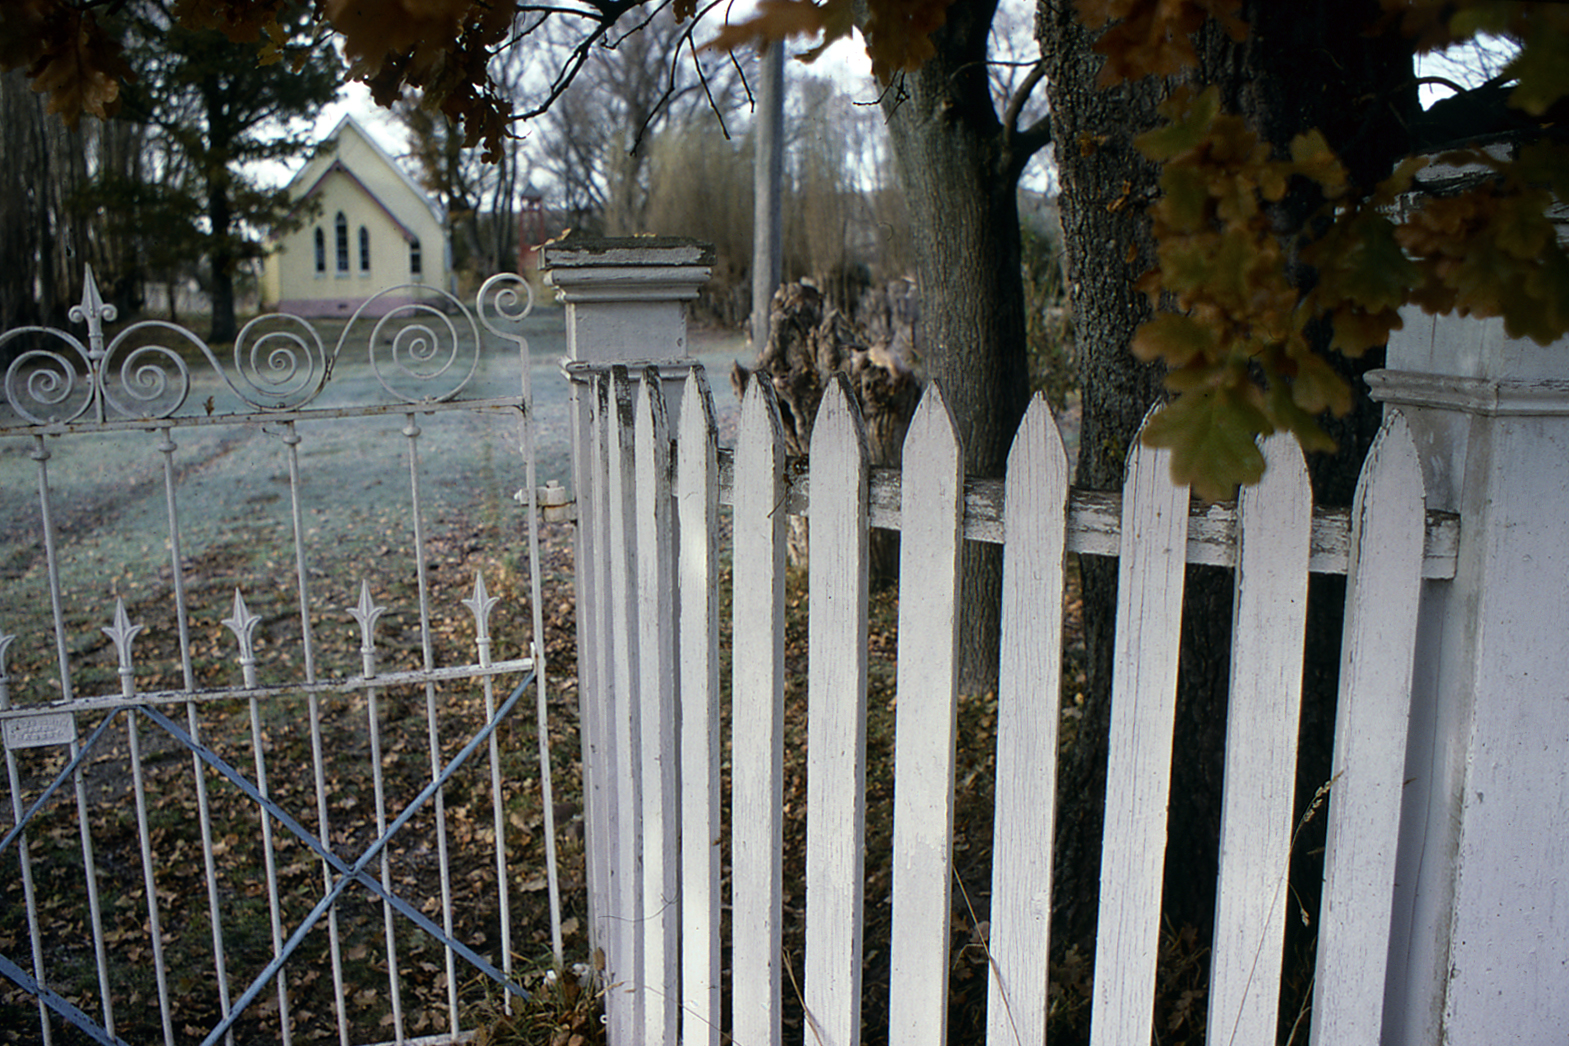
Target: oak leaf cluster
1243, 304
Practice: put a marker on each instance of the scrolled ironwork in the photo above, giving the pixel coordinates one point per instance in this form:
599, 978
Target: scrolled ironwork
280, 362
498, 298
153, 378
424, 344
40, 379
423, 347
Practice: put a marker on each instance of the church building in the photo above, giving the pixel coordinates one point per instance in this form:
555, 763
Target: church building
371, 228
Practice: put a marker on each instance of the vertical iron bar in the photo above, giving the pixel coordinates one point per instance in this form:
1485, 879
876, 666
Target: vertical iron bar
24, 856
167, 447
270, 860
412, 431
41, 455
90, 876
291, 439
546, 777
394, 982
481, 604
154, 923
122, 632
366, 613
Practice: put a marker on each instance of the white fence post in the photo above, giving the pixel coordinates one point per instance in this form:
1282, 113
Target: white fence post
623, 301
1480, 944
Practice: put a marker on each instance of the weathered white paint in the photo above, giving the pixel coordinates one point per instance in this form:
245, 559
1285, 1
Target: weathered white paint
657, 681
1029, 681
757, 720
590, 462
1269, 618
623, 953
836, 722
1382, 597
1138, 775
927, 682
622, 297
1481, 926
1479, 912
697, 517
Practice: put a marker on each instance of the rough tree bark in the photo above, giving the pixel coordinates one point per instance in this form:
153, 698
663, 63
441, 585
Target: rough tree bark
959, 166
1302, 66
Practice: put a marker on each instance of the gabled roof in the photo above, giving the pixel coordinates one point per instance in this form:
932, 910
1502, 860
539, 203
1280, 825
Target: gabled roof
301, 194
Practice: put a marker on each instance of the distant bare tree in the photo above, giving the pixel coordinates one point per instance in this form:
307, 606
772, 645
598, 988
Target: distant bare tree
595, 142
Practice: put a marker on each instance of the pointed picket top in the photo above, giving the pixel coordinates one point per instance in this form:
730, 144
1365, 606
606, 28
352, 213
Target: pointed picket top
931, 514
366, 612
1035, 515
932, 421
696, 418
122, 632
243, 624
479, 604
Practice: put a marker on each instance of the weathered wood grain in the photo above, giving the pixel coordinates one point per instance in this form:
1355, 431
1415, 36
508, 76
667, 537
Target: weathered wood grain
757, 753
836, 723
697, 516
1150, 577
1383, 592
927, 680
1269, 621
1029, 681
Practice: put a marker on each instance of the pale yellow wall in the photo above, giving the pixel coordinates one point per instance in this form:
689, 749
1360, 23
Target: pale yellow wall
290, 276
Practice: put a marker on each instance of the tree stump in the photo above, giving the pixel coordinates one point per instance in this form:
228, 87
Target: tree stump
808, 342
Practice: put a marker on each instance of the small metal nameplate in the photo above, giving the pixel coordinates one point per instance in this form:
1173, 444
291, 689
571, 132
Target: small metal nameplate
52, 728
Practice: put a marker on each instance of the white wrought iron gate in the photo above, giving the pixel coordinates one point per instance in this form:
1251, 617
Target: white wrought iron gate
290, 807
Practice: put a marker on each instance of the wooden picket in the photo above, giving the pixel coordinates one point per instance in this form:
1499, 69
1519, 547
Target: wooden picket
654, 725
836, 721
1150, 580
1369, 764
757, 716
623, 951
1029, 680
1268, 628
927, 680
656, 716
697, 517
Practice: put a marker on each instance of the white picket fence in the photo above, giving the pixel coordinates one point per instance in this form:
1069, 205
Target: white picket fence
656, 730
1438, 913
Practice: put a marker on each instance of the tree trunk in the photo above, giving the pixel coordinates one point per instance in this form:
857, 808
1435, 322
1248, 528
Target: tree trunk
221, 289
1106, 242
960, 179
220, 212
1301, 66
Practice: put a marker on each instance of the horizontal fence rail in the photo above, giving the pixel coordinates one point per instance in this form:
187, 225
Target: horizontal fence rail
650, 512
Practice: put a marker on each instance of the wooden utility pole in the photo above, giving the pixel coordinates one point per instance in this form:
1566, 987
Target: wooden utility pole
767, 173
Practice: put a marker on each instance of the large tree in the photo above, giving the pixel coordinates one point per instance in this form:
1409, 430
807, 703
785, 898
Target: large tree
959, 164
214, 111
1106, 182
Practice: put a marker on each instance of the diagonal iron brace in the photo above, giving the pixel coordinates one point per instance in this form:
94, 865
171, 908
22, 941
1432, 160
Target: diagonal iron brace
347, 873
